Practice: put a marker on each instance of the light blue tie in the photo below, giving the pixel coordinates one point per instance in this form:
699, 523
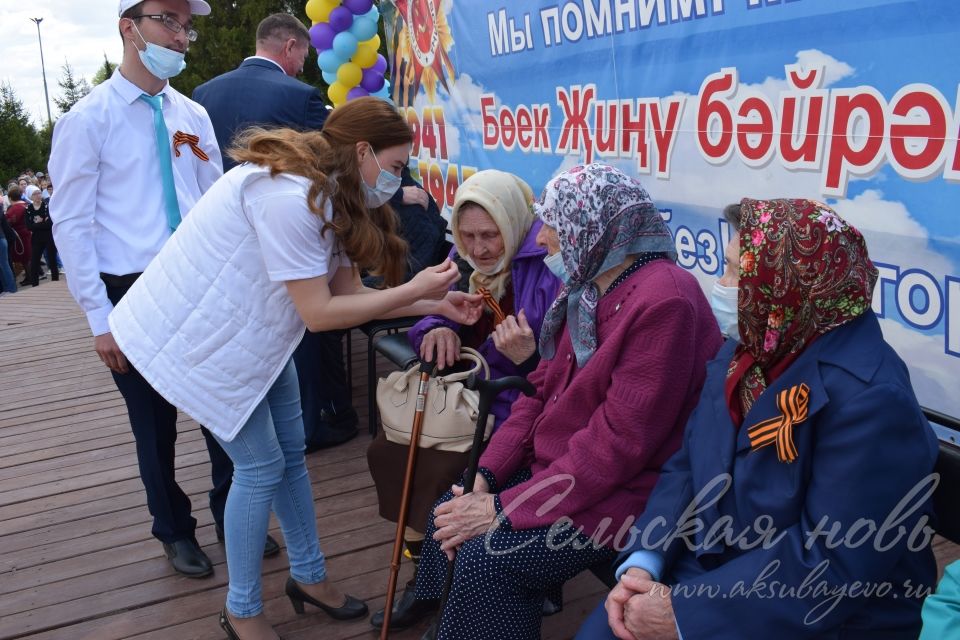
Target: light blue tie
166, 163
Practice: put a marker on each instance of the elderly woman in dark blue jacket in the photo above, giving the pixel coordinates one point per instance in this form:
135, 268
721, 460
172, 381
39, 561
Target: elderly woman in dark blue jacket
799, 504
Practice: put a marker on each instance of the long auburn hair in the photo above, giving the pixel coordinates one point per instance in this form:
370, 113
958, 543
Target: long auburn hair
328, 158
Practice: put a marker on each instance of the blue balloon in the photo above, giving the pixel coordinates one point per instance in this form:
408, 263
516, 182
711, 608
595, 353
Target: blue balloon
345, 45
329, 77
329, 61
363, 29
384, 92
373, 14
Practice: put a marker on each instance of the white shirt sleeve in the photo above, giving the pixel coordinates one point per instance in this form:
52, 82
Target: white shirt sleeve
289, 233
74, 165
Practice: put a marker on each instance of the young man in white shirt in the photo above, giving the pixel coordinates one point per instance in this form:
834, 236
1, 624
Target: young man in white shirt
120, 193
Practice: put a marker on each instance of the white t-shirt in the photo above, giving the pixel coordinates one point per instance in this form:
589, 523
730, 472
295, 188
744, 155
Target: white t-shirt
289, 233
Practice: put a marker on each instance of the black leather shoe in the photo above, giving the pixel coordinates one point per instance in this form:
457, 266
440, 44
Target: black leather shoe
351, 609
407, 611
188, 559
270, 546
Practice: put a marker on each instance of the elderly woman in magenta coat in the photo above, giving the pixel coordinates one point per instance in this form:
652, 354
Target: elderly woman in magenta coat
623, 352
806, 462
495, 247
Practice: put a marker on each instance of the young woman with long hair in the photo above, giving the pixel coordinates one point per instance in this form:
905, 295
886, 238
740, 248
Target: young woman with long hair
274, 246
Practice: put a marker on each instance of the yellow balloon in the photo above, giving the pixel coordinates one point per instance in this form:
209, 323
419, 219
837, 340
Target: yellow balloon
313, 10
364, 57
337, 92
328, 6
373, 43
349, 74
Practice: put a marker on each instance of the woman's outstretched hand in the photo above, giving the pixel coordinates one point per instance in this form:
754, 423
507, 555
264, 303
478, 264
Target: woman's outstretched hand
433, 283
461, 307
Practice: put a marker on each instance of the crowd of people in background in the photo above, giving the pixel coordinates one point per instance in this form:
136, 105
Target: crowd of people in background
27, 249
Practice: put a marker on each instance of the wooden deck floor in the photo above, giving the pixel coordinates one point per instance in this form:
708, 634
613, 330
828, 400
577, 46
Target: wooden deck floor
76, 556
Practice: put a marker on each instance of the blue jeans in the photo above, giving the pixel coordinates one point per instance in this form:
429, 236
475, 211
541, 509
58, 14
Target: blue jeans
269, 468
7, 280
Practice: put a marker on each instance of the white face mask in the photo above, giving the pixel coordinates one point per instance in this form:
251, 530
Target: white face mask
556, 266
387, 185
161, 62
723, 301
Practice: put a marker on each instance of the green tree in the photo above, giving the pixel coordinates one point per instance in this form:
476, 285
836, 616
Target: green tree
45, 141
73, 87
104, 72
228, 35
21, 142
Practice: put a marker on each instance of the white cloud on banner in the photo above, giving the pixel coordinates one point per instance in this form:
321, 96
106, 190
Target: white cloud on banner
893, 235
694, 181
935, 382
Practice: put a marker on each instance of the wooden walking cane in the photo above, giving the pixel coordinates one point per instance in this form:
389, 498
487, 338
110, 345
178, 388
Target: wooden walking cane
488, 390
426, 368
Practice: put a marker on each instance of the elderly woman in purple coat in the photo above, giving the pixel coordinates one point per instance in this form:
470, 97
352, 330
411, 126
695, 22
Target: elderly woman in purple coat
495, 246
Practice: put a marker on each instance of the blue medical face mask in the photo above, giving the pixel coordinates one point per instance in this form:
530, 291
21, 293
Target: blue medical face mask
387, 185
723, 301
555, 264
161, 62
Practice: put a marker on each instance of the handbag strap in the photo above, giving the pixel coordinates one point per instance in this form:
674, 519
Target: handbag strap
479, 364
466, 353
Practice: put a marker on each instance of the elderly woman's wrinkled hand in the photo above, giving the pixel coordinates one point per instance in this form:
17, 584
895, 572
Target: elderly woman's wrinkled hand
440, 346
415, 195
634, 582
462, 518
640, 608
515, 339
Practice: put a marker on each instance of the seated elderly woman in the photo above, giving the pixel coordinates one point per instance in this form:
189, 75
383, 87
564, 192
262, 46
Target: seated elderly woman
495, 236
623, 348
791, 510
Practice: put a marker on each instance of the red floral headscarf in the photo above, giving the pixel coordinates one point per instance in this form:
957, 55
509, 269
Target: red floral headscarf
803, 272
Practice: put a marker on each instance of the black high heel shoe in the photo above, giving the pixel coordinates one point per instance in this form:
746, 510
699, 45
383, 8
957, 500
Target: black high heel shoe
351, 609
226, 626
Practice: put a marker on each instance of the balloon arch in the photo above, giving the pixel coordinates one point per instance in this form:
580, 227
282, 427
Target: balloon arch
344, 33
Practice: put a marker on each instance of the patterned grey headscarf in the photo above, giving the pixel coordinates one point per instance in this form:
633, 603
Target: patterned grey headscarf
601, 216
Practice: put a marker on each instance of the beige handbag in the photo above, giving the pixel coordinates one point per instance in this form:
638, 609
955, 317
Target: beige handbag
450, 413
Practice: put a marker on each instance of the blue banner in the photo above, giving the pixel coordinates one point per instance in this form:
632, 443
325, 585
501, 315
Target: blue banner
853, 103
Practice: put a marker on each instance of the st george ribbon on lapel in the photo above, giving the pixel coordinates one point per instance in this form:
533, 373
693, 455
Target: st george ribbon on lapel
793, 403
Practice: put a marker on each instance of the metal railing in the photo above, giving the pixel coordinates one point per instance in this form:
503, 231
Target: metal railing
946, 427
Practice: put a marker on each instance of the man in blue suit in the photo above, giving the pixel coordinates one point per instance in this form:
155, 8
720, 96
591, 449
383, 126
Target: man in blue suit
263, 91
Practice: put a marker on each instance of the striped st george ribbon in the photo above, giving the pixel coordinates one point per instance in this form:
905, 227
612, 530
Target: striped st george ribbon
192, 141
493, 305
793, 404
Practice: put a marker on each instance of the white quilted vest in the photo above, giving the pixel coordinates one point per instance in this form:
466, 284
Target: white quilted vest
204, 324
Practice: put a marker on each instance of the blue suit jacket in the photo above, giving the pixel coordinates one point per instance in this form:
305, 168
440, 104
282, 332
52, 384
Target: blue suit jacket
258, 92
864, 445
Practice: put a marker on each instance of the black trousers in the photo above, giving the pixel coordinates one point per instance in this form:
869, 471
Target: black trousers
154, 424
324, 388
43, 245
